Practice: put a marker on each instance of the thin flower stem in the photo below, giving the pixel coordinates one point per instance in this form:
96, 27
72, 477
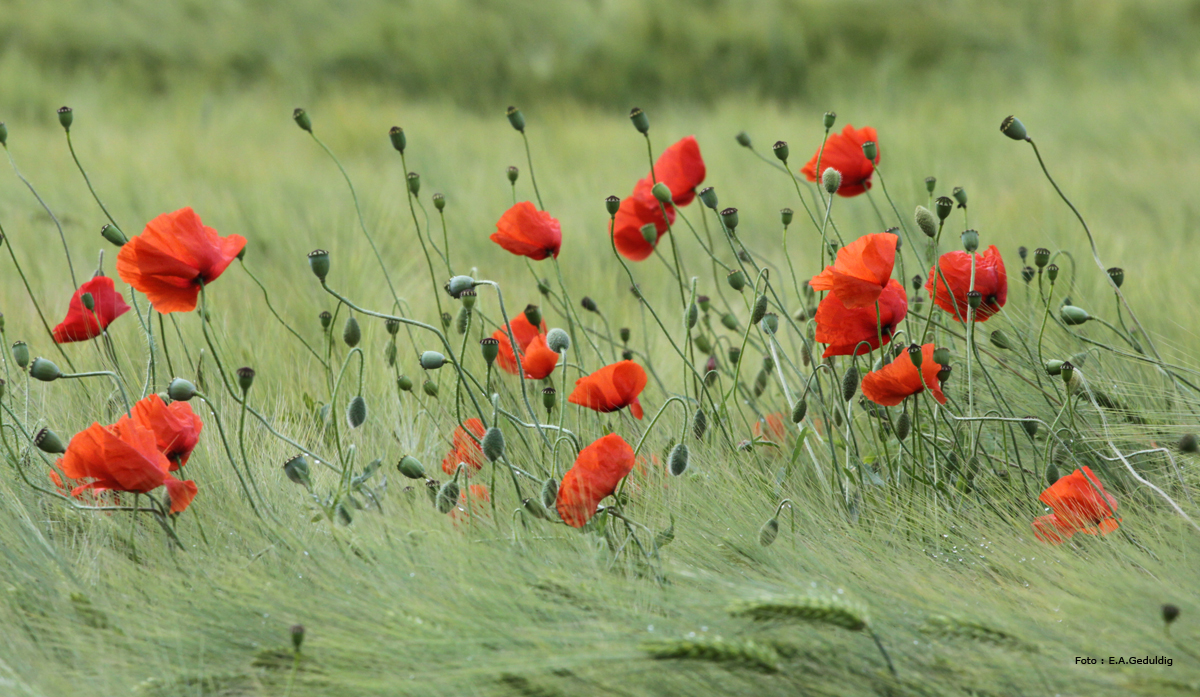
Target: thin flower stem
437, 296
109, 373
532, 177
61, 235
29, 291
267, 299
229, 453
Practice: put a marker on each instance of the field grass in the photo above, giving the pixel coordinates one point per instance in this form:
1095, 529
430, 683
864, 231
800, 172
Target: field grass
405, 601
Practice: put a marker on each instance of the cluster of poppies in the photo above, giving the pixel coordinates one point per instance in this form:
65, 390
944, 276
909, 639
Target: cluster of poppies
642, 219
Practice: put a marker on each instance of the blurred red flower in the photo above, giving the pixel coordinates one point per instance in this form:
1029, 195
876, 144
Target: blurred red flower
1080, 504
611, 388
465, 449
889, 385
175, 426
844, 152
528, 232
479, 495
524, 332
857, 331
776, 428
595, 475
861, 271
991, 281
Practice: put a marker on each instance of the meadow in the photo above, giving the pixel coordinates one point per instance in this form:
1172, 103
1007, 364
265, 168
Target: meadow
396, 597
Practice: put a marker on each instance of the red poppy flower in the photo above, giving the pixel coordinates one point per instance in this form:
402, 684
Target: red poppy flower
990, 280
1052, 530
479, 496
465, 448
595, 475
889, 385
81, 323
775, 431
539, 360
843, 152
857, 331
528, 232
172, 256
682, 169
611, 388
123, 457
175, 426
861, 271
524, 332
1080, 502
637, 211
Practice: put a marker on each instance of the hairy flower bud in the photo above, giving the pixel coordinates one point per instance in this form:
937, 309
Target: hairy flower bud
351, 332
743, 139
768, 532
799, 410
699, 424
729, 321
849, 383
831, 179
44, 370
558, 340
181, 390
926, 222
1000, 340
356, 412
677, 462
492, 444
760, 309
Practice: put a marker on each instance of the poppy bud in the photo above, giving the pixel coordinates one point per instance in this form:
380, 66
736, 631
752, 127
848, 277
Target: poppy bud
944, 374
245, 378
943, 206
297, 632
785, 215
533, 313
677, 462
743, 139
1000, 340
326, 319
624, 334
735, 355
299, 115
181, 390
703, 343
549, 398
760, 383
1067, 372
490, 348
558, 340
831, 179
1117, 275
799, 410
1170, 613
296, 470
930, 184
492, 444
1027, 274
318, 260
543, 286
974, 299
113, 234
661, 192
399, 140
926, 222
903, 425
736, 279
768, 532
516, 118
44, 370
627, 355
744, 255
404, 382
849, 383
414, 183
960, 195
770, 323
88, 302
356, 412
389, 354
693, 315
432, 360
392, 326
1188, 443
760, 309
351, 333
3, 134
612, 204
710, 371
589, 304
650, 234
730, 217
699, 424
439, 201
1072, 315
1022, 252
871, 150
640, 121
1052, 475
970, 240
729, 321
457, 284
65, 117
549, 493
781, 150
447, 496
708, 196
1012, 127
48, 442
941, 356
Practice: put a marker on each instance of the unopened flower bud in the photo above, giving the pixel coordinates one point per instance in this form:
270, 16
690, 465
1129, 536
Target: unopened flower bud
780, 149
831, 179
849, 383
926, 222
432, 360
296, 470
871, 150
624, 333
113, 234
399, 140
661, 192
735, 355
1027, 274
447, 496
699, 424
730, 217
708, 196
181, 390
356, 412
640, 121
650, 234
770, 323
1170, 613
1041, 257
88, 302
558, 340
245, 377
1117, 274
1012, 127
1052, 272
492, 444
549, 398
759, 310
612, 204
1072, 315
414, 183
490, 348
44, 370
930, 184
48, 442
405, 383
799, 410
533, 313
3, 134
768, 532
736, 279
351, 332
588, 304
1000, 340
1030, 424
729, 321
299, 115
917, 282
516, 118
903, 425
743, 139
389, 353
970, 240
678, 459
943, 206
392, 326
543, 286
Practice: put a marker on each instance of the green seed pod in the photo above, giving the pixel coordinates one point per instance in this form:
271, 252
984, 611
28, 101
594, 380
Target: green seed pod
708, 196
870, 150
517, 119
743, 139
661, 192
533, 313
1027, 274
414, 183
447, 496
432, 360
829, 119
492, 444
326, 319
44, 370
48, 442
699, 424
760, 309
302, 120
549, 398
296, 470
392, 326
411, 467
624, 333
974, 299
245, 378
318, 261
960, 195
549, 493
612, 204
678, 460
1188, 443
640, 121
20, 353
432, 486
1052, 475
297, 632
915, 355
543, 286
760, 383
693, 315
1054, 366
930, 184
1072, 315
1117, 274
404, 382
729, 321
558, 340
65, 117
1170, 613
785, 216
399, 140
941, 356
351, 332
780, 148
490, 348
356, 412
831, 180
3, 134
1031, 426
702, 342
512, 173
729, 216
113, 234
770, 323
1041, 257
943, 375
430, 388
1067, 372
970, 240
736, 279
799, 410
1000, 340
459, 284
1052, 273
849, 383
181, 390
926, 222
1012, 127
650, 234
768, 532
735, 355
943, 206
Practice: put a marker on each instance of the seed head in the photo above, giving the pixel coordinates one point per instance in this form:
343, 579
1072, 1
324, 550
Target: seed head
730, 217
1012, 127
48, 442
708, 196
299, 115
780, 148
439, 201
516, 118
113, 234
970, 240
414, 183
549, 398
960, 195
411, 467
612, 204
44, 370
930, 184
871, 150
943, 206
399, 140
640, 121
245, 378
1117, 274
318, 261
743, 139
490, 348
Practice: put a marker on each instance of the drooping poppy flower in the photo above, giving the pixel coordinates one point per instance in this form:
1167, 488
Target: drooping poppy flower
172, 256
1080, 502
465, 449
479, 497
889, 385
175, 426
637, 211
81, 323
595, 475
857, 331
861, 271
123, 457
844, 152
990, 280
1052, 530
528, 232
682, 169
611, 388
539, 360
775, 431
524, 332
